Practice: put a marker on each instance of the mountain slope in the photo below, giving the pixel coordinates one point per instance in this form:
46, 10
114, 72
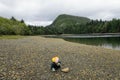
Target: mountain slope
66, 20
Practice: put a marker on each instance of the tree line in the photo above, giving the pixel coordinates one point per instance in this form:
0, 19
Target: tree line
15, 27
94, 26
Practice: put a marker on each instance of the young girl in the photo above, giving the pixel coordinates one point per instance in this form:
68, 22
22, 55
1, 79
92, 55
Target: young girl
56, 64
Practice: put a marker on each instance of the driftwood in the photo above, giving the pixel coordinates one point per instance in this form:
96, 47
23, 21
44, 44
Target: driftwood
65, 70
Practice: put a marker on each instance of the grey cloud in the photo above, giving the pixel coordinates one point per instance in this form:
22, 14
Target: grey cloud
45, 11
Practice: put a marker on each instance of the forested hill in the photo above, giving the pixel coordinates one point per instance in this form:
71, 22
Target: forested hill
13, 27
63, 24
67, 20
67, 24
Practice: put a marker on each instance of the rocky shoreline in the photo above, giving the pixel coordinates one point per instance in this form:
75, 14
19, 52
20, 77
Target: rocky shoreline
29, 59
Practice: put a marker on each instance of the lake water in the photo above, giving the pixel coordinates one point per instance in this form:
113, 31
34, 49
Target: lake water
111, 41
106, 42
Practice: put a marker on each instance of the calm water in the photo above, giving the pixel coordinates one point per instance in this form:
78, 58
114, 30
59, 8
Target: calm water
107, 42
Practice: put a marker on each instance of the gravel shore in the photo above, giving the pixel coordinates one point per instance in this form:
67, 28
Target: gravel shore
30, 58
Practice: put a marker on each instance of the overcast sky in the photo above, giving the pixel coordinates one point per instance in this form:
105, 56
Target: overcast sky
43, 12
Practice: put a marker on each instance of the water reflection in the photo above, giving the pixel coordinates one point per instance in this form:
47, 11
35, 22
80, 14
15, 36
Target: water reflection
107, 42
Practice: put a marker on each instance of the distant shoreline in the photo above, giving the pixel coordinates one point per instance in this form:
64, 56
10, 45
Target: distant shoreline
90, 35
95, 34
